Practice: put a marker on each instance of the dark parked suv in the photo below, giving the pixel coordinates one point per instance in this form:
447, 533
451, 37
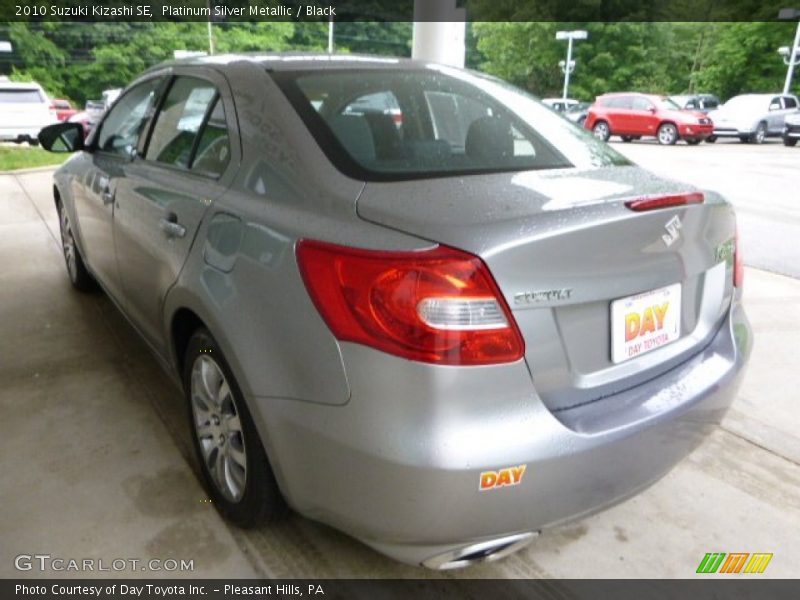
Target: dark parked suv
701, 102
633, 115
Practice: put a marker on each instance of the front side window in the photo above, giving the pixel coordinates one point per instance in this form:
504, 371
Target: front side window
789, 102
623, 102
125, 123
642, 104
392, 124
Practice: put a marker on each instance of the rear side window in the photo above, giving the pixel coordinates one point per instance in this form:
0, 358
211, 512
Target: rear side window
20, 96
407, 124
179, 121
213, 148
625, 102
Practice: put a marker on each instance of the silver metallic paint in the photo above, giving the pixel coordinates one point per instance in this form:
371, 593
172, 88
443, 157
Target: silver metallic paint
390, 450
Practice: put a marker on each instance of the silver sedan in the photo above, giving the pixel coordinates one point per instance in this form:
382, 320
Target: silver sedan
441, 327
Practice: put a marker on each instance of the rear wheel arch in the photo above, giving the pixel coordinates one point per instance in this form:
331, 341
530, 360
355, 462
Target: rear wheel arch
182, 326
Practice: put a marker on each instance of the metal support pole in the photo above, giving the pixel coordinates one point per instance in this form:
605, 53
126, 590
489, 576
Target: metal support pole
211, 47
792, 60
567, 67
439, 32
330, 35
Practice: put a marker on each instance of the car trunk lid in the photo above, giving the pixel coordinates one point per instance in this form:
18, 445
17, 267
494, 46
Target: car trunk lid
563, 246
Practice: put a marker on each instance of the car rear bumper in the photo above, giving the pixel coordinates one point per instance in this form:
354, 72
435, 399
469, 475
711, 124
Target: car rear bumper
400, 465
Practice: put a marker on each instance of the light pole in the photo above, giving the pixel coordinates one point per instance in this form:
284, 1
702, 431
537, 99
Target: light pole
569, 65
791, 56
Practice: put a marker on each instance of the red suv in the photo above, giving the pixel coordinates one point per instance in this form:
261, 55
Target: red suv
632, 115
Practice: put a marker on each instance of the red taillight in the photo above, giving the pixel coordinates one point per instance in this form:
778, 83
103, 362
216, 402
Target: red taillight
654, 202
439, 306
738, 265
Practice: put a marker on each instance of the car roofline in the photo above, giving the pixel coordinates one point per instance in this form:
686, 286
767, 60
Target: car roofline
296, 61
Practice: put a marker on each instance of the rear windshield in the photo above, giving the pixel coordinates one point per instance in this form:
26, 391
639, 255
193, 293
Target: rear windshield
398, 124
20, 96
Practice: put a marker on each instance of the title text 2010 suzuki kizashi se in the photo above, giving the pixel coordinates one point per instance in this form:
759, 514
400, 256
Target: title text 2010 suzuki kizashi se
406, 299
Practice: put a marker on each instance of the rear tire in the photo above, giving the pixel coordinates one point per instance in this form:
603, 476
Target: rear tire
711, 139
693, 142
79, 275
760, 134
667, 134
601, 131
236, 471
789, 141
627, 138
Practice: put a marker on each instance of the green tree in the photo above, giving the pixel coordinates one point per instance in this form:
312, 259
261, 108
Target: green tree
743, 59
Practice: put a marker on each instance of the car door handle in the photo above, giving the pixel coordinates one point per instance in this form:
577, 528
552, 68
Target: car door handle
171, 227
105, 190
108, 196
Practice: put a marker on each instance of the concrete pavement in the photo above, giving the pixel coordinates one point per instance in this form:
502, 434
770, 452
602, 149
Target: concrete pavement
89, 469
96, 460
760, 180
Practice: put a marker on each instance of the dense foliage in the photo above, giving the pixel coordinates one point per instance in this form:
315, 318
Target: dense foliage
722, 58
78, 61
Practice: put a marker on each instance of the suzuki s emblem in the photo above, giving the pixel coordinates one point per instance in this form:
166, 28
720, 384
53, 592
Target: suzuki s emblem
673, 228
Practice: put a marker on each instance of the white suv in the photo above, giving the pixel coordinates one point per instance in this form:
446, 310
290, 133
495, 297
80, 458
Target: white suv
24, 110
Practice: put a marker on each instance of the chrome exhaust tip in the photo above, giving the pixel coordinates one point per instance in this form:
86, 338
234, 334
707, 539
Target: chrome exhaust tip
481, 552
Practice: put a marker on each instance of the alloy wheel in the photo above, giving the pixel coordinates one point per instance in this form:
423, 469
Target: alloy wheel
667, 134
761, 134
601, 131
218, 428
68, 245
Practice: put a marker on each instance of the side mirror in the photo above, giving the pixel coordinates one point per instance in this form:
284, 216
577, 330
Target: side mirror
62, 137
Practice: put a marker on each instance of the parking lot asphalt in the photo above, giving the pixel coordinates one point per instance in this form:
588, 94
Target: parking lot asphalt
762, 181
96, 460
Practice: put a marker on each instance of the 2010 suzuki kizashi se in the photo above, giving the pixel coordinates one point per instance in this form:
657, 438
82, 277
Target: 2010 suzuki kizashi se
405, 299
